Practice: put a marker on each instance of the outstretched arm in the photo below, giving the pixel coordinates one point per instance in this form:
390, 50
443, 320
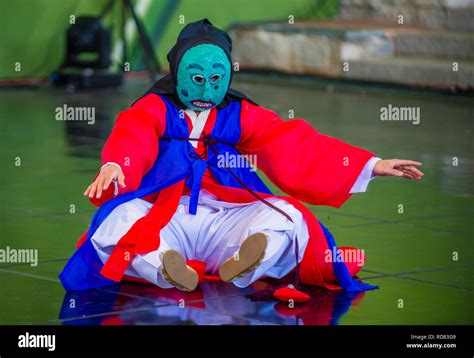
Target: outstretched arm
310, 166
130, 150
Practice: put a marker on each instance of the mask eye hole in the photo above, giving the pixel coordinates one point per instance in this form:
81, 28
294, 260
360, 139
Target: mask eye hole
198, 79
215, 78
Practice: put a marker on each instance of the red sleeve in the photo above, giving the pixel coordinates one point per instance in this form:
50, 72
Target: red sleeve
310, 166
133, 143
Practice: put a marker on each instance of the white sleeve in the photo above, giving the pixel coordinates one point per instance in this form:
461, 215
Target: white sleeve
111, 163
365, 176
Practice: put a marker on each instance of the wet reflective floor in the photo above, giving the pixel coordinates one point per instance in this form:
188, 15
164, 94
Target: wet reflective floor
417, 236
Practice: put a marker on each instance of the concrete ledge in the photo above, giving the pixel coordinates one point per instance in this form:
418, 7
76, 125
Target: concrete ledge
454, 15
406, 55
449, 45
414, 72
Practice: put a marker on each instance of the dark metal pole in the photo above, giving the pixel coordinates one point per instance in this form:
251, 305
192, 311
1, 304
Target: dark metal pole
150, 57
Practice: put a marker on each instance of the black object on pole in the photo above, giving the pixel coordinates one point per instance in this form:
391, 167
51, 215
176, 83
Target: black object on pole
88, 51
88, 44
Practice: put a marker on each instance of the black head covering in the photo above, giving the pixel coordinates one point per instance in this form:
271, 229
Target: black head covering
195, 33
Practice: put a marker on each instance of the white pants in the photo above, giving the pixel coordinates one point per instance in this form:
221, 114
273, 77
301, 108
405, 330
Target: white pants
213, 235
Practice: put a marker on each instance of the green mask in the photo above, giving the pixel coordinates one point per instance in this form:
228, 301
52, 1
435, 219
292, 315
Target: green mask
203, 77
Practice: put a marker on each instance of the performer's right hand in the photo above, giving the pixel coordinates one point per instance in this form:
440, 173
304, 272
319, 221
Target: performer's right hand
107, 175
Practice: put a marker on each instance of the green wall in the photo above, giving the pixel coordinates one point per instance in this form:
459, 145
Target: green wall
34, 30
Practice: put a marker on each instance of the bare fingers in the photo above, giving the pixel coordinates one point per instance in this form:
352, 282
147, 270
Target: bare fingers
121, 180
91, 190
108, 179
86, 193
100, 185
405, 162
411, 171
407, 174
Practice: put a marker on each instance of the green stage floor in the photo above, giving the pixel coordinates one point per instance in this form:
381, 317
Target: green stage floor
411, 255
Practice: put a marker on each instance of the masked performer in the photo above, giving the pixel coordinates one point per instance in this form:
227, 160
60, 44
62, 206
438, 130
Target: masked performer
179, 197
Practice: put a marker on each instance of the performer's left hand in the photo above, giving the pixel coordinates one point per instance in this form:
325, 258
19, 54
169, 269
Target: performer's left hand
398, 168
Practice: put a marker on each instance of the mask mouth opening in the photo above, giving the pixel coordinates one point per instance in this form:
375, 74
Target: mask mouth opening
202, 104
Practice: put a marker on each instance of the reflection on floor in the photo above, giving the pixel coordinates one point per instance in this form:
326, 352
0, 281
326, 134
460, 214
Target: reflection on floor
212, 303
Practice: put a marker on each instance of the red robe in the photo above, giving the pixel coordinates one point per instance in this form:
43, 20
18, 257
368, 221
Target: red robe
305, 164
